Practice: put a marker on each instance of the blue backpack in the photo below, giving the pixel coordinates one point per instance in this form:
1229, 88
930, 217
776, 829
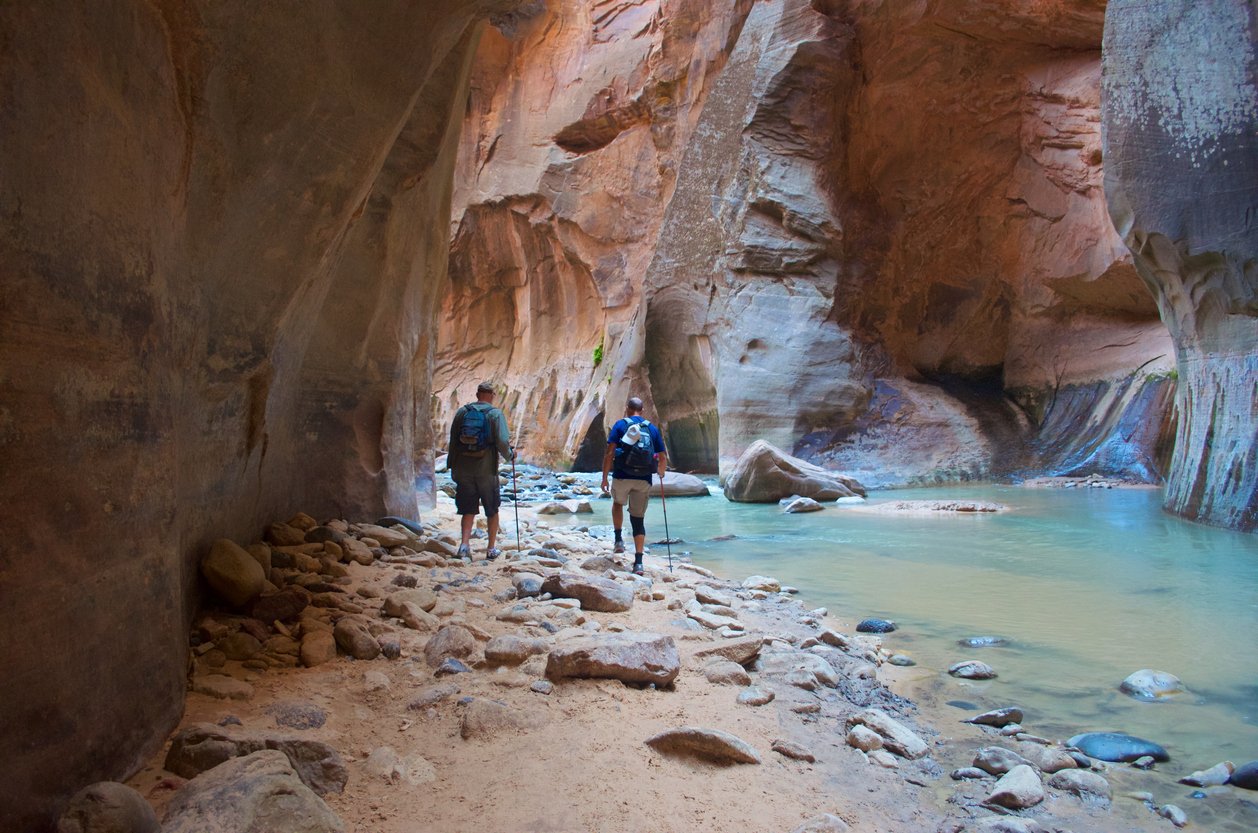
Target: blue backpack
476, 434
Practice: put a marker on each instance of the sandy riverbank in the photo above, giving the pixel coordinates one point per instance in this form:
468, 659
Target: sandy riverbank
578, 761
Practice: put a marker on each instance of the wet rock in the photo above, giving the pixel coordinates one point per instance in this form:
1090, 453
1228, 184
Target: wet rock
1144, 762
793, 751
1150, 685
1018, 789
108, 807
260, 791
1215, 776
997, 717
710, 745
896, 737
594, 593
997, 760
232, 573
983, 642
764, 474
725, 672
203, 746
486, 718
876, 626
629, 657
1086, 785
679, 484
755, 696
972, 669
824, 823
1245, 776
509, 649
801, 505
1174, 814
353, 636
762, 583
451, 641
1117, 747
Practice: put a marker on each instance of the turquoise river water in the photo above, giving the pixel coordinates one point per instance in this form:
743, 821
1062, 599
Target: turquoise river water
1088, 586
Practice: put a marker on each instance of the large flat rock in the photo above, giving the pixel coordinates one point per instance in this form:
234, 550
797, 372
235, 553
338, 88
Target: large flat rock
630, 657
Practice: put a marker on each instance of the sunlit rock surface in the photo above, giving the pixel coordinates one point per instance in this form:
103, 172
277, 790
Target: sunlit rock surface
225, 229
843, 231
1181, 119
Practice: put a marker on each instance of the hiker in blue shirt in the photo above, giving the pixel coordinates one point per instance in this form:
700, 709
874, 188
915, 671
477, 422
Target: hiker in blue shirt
635, 453
478, 434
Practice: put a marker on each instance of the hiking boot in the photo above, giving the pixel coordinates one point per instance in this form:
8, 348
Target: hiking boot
464, 553
637, 565
493, 553
619, 546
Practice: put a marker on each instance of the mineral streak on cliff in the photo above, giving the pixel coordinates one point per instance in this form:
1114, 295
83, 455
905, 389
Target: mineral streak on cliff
871, 231
1181, 142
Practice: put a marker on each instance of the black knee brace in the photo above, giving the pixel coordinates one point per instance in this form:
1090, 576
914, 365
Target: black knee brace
638, 525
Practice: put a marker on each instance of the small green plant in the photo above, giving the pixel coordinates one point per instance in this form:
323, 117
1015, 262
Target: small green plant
598, 353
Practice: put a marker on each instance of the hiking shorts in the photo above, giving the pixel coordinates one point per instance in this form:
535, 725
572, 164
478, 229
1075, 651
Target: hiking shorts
474, 491
633, 492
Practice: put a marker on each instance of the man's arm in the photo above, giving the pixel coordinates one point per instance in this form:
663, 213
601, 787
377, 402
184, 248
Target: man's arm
607, 463
455, 424
504, 438
661, 453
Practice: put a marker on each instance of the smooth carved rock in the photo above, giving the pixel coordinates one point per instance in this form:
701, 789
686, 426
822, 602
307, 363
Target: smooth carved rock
256, 792
896, 737
204, 746
1018, 789
1117, 747
710, 745
593, 592
1181, 167
765, 474
108, 807
630, 657
234, 574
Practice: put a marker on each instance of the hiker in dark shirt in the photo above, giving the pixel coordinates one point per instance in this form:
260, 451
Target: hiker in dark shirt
476, 440
635, 453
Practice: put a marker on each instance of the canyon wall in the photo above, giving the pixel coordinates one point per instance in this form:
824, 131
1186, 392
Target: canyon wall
1181, 138
225, 229
871, 232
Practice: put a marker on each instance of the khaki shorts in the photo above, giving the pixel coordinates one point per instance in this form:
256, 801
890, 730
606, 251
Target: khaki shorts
633, 492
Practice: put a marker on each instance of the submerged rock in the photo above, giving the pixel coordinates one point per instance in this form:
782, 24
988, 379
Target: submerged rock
972, 669
1117, 747
1147, 684
876, 626
983, 642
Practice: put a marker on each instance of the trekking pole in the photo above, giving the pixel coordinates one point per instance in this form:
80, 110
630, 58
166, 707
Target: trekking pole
668, 538
515, 492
